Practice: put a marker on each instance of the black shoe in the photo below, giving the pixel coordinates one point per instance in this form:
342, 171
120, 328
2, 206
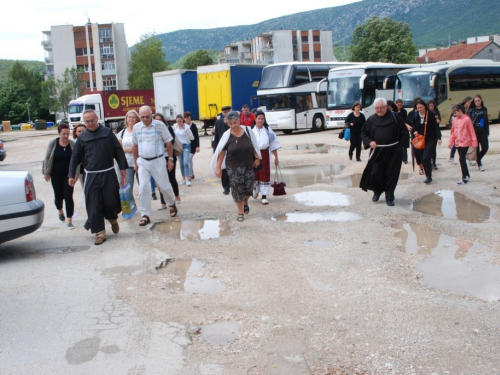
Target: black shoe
226, 191
390, 203
358, 159
428, 180
350, 157
153, 197
435, 167
375, 198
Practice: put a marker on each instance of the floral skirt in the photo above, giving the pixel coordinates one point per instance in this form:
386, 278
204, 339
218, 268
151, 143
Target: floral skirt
241, 181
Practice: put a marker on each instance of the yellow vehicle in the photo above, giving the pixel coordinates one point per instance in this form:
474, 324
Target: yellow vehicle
225, 84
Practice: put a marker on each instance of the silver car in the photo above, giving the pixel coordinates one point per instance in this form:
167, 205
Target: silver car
20, 212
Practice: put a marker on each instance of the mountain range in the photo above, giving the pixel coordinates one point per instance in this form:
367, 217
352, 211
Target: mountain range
433, 23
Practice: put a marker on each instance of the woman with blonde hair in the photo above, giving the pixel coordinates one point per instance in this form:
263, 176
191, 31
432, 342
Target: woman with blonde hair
125, 139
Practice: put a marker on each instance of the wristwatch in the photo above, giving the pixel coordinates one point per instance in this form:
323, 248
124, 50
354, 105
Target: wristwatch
170, 158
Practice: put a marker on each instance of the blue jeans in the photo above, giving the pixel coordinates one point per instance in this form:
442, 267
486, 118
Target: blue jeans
129, 176
184, 160
153, 184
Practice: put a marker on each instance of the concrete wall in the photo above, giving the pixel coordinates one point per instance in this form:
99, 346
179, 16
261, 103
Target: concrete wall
63, 49
486, 54
327, 46
122, 56
283, 49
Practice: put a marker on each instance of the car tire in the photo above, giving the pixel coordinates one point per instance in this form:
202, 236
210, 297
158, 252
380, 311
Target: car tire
318, 123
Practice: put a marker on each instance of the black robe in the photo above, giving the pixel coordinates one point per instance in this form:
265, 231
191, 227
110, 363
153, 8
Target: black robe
220, 128
381, 173
96, 151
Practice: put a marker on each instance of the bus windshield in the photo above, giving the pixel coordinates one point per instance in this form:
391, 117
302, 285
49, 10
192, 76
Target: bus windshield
75, 108
343, 89
274, 77
415, 84
278, 102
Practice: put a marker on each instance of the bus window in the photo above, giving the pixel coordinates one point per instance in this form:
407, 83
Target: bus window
441, 93
308, 103
321, 98
318, 72
299, 104
301, 75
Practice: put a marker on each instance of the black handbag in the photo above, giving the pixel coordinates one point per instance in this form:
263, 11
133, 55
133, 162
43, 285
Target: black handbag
278, 184
341, 134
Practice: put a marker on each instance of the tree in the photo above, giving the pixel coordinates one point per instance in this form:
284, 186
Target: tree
383, 40
13, 101
58, 92
146, 59
196, 59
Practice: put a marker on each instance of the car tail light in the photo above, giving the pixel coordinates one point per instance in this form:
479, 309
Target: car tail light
28, 189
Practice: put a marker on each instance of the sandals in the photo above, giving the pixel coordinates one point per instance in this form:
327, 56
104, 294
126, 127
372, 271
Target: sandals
240, 217
246, 209
144, 221
421, 172
173, 210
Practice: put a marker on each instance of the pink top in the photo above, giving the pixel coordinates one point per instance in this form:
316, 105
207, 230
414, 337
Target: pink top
462, 132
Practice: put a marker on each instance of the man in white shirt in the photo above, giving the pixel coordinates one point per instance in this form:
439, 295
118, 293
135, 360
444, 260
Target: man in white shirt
149, 138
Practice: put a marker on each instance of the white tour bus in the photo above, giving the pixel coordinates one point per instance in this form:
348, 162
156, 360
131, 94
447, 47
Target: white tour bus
361, 83
289, 94
449, 82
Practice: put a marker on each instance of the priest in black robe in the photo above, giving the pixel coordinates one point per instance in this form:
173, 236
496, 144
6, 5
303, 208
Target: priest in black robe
386, 134
95, 149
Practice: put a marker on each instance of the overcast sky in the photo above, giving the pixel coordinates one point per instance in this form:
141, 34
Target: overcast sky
24, 20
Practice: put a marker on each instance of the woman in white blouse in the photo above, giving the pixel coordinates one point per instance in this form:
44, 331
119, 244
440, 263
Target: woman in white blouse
184, 134
268, 144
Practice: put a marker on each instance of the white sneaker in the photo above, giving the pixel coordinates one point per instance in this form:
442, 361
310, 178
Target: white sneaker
452, 161
188, 183
183, 182
472, 162
265, 201
481, 168
177, 201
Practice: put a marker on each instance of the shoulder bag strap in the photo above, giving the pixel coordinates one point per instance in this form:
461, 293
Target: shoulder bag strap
425, 127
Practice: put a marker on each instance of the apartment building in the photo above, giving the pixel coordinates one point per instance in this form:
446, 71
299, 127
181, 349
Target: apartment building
101, 50
277, 46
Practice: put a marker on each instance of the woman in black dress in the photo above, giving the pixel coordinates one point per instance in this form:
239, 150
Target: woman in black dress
355, 121
431, 104
479, 116
56, 169
239, 147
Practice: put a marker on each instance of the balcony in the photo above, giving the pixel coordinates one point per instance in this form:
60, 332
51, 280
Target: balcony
107, 55
232, 61
46, 44
266, 47
49, 61
246, 55
108, 72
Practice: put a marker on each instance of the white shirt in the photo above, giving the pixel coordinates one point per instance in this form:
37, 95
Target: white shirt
126, 138
151, 139
181, 134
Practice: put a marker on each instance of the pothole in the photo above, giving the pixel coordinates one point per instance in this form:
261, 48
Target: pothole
458, 266
221, 332
452, 205
179, 275
318, 148
310, 217
353, 180
322, 198
64, 250
305, 175
194, 229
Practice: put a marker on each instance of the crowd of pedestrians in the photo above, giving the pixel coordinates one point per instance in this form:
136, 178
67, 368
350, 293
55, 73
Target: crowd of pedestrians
244, 148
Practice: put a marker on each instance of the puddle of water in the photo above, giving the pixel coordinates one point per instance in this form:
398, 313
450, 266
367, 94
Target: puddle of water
64, 250
320, 244
221, 332
183, 270
461, 267
297, 177
318, 148
322, 198
193, 230
452, 205
309, 217
353, 180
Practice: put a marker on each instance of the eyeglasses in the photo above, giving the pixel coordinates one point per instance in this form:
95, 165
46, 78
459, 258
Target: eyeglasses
379, 108
89, 121
145, 116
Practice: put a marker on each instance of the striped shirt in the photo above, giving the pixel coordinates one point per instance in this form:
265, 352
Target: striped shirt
151, 139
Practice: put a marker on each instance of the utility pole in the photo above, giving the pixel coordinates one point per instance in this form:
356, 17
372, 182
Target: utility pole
29, 116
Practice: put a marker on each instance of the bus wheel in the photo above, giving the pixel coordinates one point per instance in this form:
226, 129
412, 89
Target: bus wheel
287, 131
318, 123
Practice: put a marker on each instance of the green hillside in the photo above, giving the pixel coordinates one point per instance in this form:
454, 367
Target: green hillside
6, 65
432, 23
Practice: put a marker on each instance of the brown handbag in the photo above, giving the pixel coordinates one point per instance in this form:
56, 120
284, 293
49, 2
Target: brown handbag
419, 141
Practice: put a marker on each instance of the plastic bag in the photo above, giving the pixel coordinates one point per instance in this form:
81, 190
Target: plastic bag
347, 134
127, 201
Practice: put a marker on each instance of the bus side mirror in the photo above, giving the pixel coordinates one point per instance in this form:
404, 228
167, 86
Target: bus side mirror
433, 80
322, 82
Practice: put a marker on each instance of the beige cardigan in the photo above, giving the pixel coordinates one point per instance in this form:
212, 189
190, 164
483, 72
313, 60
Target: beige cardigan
49, 155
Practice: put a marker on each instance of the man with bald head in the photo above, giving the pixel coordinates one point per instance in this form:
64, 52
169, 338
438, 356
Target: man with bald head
151, 140
96, 150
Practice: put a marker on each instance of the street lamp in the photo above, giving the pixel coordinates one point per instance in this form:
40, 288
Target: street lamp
29, 116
